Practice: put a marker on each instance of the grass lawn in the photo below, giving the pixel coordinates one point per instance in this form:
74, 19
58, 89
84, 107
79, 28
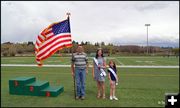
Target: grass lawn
131, 60
137, 87
32, 60
149, 60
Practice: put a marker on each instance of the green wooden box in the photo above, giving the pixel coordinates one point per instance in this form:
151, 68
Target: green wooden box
52, 91
30, 86
35, 87
17, 85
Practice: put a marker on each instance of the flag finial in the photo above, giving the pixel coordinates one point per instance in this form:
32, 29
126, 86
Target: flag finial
68, 14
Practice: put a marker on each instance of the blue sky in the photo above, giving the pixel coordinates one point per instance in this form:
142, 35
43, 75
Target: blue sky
118, 22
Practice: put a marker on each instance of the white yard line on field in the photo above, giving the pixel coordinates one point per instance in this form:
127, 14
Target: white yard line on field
121, 66
116, 60
119, 62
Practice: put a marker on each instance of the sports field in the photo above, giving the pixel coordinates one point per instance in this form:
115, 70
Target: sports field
138, 87
124, 60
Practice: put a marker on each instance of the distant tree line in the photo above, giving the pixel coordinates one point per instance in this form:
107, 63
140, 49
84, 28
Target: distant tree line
13, 49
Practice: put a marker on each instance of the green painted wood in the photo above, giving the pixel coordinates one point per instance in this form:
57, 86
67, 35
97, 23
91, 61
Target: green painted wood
21, 81
29, 86
17, 85
52, 91
35, 87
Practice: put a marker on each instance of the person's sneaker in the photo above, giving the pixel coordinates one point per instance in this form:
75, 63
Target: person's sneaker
115, 98
77, 97
98, 96
110, 98
104, 97
82, 98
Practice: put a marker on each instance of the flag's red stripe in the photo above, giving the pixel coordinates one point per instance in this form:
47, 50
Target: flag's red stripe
40, 39
42, 33
50, 42
59, 42
48, 32
37, 59
49, 37
37, 43
35, 49
52, 52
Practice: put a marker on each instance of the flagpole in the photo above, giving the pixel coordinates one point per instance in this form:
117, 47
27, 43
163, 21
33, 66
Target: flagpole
68, 14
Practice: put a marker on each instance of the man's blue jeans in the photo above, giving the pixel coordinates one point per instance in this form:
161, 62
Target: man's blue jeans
80, 76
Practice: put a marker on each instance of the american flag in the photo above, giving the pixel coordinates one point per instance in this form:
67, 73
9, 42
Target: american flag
52, 39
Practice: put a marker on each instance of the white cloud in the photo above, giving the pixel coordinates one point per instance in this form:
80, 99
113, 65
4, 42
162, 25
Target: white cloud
93, 21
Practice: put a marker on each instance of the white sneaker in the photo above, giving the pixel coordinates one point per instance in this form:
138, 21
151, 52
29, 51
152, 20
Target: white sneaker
111, 98
115, 98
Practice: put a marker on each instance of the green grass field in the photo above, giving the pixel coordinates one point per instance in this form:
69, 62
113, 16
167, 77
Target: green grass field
131, 60
138, 87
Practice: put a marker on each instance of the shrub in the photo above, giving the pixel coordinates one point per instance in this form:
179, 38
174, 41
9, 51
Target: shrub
12, 51
5, 53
